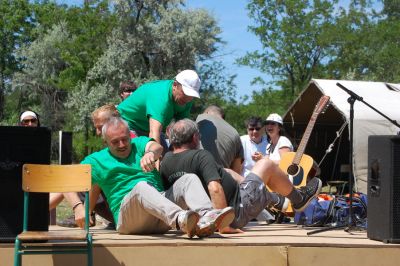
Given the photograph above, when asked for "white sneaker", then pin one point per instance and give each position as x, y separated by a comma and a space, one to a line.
187, 222
219, 217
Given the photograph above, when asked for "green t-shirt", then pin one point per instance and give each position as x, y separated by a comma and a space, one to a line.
117, 177
153, 99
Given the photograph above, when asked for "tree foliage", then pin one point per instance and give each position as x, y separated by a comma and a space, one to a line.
15, 30
293, 37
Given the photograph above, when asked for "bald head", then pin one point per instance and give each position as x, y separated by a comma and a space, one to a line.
215, 110
182, 132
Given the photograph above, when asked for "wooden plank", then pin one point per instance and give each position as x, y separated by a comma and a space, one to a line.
56, 178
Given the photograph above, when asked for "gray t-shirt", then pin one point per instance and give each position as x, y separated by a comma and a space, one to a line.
220, 139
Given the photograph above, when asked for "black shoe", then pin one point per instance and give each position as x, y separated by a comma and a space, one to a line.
282, 205
309, 191
110, 226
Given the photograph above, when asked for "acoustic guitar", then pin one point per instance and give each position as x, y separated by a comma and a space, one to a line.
297, 165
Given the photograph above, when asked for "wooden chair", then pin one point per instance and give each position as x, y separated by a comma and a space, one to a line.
55, 178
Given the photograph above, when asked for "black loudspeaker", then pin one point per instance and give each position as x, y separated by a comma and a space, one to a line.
19, 145
384, 188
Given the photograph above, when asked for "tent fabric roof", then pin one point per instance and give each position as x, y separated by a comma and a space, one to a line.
385, 97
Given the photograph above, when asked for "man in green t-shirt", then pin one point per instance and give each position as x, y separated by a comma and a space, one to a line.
125, 172
153, 105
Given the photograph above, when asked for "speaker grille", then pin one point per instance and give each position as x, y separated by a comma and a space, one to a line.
396, 188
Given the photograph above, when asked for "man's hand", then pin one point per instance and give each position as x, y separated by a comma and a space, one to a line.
79, 214
257, 156
148, 162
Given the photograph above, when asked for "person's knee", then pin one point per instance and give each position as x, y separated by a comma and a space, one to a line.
140, 188
265, 165
190, 178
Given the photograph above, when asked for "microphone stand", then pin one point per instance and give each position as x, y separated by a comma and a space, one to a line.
353, 97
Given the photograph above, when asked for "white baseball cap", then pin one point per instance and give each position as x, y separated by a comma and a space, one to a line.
274, 118
190, 82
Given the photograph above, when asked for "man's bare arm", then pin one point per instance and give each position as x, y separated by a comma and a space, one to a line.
237, 165
155, 129
79, 210
217, 195
150, 159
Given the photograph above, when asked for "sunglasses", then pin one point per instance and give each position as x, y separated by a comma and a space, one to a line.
271, 123
253, 128
26, 121
128, 91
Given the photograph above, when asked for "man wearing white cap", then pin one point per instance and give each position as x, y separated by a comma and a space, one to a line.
154, 104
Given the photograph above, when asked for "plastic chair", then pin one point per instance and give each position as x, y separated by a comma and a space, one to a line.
55, 178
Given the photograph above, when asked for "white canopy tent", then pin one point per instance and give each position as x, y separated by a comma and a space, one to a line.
383, 96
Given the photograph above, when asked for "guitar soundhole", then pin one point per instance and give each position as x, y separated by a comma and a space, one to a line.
293, 169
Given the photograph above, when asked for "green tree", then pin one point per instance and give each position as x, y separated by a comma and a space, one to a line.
293, 37
15, 28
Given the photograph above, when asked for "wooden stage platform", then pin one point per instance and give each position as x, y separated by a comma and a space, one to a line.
261, 244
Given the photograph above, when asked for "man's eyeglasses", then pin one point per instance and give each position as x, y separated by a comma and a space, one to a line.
26, 121
253, 128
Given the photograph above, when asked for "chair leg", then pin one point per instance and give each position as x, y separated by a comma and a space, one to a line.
90, 250
17, 255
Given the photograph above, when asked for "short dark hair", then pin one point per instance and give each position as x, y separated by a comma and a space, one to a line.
254, 121
127, 85
182, 132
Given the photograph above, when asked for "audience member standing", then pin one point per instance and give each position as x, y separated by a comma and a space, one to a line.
156, 103
220, 138
278, 144
254, 143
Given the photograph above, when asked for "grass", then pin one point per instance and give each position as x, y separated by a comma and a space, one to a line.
64, 211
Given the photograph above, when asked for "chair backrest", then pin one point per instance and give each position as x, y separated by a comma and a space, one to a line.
56, 178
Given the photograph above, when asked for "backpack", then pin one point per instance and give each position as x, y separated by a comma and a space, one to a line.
330, 210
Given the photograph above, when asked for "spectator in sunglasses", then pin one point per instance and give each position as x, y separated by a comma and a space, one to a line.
29, 119
254, 143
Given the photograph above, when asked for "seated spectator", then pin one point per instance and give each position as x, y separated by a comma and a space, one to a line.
254, 143
125, 171
278, 143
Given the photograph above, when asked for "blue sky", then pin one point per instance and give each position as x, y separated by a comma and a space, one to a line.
232, 17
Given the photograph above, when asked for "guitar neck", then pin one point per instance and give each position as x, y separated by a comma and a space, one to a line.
304, 140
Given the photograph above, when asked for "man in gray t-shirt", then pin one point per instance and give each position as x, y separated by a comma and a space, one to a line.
220, 138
